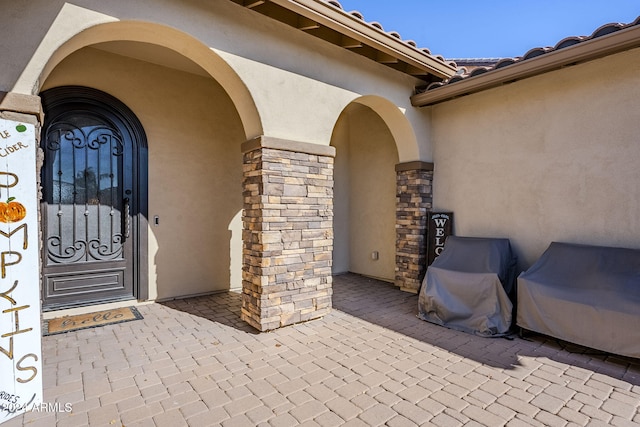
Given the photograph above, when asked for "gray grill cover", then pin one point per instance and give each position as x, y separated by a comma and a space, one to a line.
588, 295
468, 286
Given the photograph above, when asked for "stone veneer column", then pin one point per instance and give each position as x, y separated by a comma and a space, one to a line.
288, 232
413, 201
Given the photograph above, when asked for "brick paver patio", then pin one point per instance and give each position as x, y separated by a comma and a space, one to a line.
371, 361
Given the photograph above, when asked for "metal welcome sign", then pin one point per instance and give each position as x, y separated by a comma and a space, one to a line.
20, 332
440, 227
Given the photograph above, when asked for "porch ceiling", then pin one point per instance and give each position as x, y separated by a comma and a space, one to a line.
327, 20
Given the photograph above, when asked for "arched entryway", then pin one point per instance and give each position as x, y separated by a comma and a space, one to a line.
194, 131
368, 136
94, 204
381, 194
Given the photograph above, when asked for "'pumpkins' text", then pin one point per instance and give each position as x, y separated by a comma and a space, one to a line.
9, 258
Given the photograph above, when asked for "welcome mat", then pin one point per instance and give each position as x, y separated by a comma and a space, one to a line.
90, 320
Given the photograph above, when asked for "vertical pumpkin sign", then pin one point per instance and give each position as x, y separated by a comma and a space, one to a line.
20, 331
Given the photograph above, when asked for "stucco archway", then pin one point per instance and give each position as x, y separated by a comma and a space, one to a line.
181, 44
369, 136
398, 125
196, 113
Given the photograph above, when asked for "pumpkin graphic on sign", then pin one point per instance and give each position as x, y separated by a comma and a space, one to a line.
12, 211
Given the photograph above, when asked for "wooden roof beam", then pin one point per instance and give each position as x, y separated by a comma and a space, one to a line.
250, 4
384, 58
306, 24
349, 43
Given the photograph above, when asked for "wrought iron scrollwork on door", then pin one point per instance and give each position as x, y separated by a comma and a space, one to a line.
86, 210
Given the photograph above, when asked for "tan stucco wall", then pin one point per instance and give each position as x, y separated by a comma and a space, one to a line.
253, 57
195, 167
550, 158
365, 194
267, 79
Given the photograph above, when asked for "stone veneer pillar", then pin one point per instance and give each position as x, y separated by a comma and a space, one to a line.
288, 232
413, 201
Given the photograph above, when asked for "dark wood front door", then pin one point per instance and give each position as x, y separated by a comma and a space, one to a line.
92, 193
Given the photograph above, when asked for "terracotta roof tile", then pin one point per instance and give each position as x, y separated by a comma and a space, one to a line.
395, 34
533, 53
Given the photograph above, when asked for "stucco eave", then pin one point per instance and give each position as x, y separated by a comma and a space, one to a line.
321, 12
622, 40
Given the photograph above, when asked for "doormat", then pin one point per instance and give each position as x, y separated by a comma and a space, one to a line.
90, 320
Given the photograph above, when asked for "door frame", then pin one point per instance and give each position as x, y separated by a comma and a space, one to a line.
55, 97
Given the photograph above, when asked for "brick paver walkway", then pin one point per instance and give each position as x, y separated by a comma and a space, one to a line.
370, 362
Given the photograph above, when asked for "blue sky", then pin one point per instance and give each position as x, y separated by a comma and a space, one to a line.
492, 28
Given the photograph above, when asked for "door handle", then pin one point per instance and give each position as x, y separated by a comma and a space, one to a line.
126, 221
